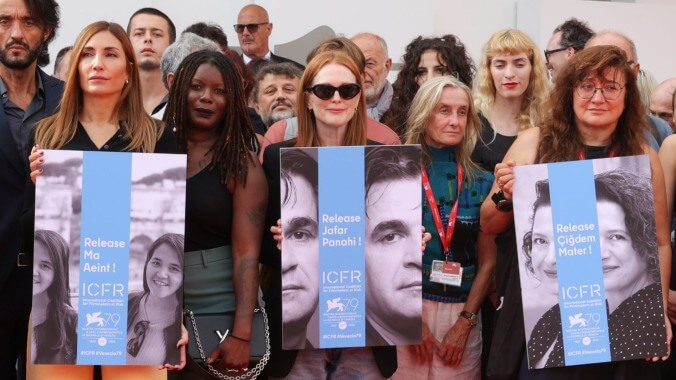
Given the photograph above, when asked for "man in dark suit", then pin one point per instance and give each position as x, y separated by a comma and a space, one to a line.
253, 31
28, 94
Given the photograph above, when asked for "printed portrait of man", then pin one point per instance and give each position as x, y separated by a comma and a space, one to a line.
393, 240
300, 256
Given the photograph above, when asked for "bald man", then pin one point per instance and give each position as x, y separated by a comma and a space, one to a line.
662, 101
659, 129
253, 30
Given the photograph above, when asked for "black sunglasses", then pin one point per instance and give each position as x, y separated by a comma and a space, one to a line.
253, 28
550, 52
326, 91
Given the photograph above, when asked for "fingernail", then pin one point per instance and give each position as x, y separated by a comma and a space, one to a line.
41, 160
41, 153
40, 170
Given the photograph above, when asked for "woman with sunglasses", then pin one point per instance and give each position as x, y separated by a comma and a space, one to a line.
154, 313
426, 58
595, 111
442, 119
331, 112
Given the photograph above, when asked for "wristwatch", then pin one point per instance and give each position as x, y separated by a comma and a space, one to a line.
502, 203
473, 318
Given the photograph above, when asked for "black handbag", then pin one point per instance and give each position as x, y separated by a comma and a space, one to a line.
206, 331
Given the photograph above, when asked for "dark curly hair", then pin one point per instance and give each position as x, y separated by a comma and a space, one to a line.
560, 139
450, 52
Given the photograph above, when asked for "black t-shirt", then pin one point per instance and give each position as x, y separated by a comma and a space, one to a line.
208, 211
492, 147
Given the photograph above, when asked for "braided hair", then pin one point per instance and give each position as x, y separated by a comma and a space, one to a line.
235, 136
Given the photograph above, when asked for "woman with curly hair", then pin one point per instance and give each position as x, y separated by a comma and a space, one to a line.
510, 88
426, 58
595, 111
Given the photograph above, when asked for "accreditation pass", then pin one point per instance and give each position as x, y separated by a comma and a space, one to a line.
446, 272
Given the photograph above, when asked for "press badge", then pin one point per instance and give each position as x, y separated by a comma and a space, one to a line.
448, 273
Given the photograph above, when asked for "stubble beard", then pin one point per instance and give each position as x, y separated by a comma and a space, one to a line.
17, 62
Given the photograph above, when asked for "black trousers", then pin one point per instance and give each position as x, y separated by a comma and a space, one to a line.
15, 308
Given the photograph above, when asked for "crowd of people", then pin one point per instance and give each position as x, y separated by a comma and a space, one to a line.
151, 89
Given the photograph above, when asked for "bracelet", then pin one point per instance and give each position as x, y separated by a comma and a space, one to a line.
240, 339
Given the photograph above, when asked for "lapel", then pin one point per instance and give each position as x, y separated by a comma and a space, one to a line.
53, 91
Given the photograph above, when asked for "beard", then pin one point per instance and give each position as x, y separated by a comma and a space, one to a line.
370, 94
275, 116
14, 62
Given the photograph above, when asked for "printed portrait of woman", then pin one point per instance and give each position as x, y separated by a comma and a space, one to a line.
154, 320
629, 257
54, 339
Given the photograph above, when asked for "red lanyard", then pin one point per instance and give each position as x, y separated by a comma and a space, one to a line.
582, 156
444, 236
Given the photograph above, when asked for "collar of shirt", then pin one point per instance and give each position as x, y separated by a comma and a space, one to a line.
265, 57
5, 95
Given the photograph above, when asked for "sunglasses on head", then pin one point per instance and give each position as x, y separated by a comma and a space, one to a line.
326, 91
253, 28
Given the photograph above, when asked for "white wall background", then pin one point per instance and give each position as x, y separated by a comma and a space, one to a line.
648, 22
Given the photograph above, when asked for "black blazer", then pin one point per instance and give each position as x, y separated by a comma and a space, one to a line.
278, 59
281, 361
15, 180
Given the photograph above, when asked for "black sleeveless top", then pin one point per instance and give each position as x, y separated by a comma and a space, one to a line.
208, 211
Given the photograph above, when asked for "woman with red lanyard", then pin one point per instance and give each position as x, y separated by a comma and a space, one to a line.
594, 111
456, 271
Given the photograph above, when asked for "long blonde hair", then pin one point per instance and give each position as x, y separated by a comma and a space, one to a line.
422, 110
507, 42
307, 125
138, 127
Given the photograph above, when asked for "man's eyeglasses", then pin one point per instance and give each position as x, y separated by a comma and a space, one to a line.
610, 91
253, 28
134, 344
326, 91
550, 52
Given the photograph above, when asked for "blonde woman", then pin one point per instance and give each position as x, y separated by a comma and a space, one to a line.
510, 87
443, 120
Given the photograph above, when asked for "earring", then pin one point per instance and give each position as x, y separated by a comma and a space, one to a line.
126, 81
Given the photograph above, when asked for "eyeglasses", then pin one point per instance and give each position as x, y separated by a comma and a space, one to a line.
253, 28
135, 343
326, 91
550, 52
610, 91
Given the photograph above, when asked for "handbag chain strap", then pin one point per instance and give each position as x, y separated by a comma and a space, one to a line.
251, 373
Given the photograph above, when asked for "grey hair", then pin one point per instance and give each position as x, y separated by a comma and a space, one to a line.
382, 42
631, 43
175, 53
